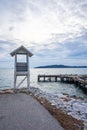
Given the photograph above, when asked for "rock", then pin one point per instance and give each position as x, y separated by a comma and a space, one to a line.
8, 91
73, 106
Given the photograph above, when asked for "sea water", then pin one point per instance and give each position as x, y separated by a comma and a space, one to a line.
7, 81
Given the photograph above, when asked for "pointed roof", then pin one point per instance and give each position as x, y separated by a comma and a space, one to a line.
21, 50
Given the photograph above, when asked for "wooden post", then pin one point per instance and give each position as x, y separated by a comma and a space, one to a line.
28, 74
55, 78
49, 79
15, 77
62, 79
38, 78
14, 80
44, 78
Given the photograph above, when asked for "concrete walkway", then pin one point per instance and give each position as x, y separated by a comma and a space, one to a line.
22, 112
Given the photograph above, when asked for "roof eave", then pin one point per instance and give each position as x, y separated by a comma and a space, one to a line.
15, 51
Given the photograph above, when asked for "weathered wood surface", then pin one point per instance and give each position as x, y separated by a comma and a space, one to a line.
21, 67
79, 80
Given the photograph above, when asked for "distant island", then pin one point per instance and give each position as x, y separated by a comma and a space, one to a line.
60, 66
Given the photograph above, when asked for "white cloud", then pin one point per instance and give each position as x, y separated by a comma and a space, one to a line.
39, 19
43, 25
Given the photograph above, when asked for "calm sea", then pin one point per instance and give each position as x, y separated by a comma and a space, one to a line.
7, 80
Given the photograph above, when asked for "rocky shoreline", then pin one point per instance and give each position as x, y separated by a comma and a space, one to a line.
71, 112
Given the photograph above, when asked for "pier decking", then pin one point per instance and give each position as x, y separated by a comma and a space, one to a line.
79, 80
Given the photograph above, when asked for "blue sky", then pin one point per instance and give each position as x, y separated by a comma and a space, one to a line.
55, 31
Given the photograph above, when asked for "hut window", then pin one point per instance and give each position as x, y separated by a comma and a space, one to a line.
21, 58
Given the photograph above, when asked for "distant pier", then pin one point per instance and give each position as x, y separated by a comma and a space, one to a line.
78, 80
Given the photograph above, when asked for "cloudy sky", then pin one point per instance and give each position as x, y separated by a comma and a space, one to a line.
55, 31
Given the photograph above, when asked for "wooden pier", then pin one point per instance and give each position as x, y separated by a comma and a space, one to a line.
78, 80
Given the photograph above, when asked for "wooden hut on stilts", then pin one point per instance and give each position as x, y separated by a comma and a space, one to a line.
21, 68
